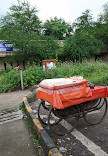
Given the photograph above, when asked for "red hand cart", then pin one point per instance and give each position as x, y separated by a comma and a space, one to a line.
66, 100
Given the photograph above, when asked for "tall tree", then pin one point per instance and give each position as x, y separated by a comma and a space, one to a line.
101, 28
104, 16
84, 22
21, 26
57, 28
21, 18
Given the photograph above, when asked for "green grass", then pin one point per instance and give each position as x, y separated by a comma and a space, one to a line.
22, 107
94, 72
34, 136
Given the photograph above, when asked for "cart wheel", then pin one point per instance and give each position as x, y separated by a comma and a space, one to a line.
64, 126
43, 110
97, 112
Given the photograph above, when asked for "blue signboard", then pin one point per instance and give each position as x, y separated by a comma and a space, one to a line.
6, 47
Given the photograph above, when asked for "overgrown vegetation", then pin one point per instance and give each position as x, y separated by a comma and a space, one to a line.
81, 45
94, 72
36, 41
22, 27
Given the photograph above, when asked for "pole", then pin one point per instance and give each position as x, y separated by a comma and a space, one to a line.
21, 79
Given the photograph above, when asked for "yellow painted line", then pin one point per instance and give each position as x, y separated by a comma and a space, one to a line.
54, 152
24, 98
38, 124
28, 108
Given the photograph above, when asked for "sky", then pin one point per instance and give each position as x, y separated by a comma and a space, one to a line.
69, 10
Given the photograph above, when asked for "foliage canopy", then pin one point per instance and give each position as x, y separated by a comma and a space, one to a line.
21, 18
96, 72
80, 45
101, 27
57, 28
22, 27
84, 22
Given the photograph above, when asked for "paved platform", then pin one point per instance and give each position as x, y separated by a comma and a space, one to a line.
13, 99
15, 137
15, 140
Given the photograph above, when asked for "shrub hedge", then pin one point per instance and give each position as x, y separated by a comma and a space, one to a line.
94, 72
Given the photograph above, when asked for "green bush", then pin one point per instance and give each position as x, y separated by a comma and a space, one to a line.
94, 72
33, 75
80, 46
9, 80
